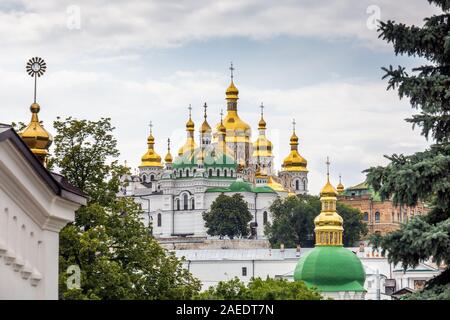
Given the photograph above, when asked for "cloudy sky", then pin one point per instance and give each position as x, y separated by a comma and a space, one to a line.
135, 61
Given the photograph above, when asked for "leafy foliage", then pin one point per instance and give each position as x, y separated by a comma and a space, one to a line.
423, 176
116, 253
228, 216
258, 289
293, 222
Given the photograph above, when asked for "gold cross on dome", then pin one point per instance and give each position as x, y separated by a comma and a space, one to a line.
328, 166
205, 106
151, 126
190, 109
262, 109
293, 124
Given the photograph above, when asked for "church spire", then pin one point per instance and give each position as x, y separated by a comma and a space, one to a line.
328, 224
294, 161
34, 135
340, 187
168, 158
151, 158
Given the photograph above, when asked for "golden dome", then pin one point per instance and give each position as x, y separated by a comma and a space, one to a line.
232, 92
328, 190
35, 136
276, 186
168, 158
151, 158
205, 127
340, 187
294, 161
262, 124
190, 125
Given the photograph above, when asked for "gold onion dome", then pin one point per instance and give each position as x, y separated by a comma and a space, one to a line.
262, 146
205, 127
151, 158
340, 187
35, 136
189, 145
294, 161
168, 158
237, 130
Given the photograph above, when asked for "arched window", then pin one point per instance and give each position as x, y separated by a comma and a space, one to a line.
144, 178
194, 171
297, 187
366, 216
210, 173
304, 184
225, 173
185, 201
181, 173
218, 172
159, 220
377, 217
178, 204
265, 218
187, 172
193, 204
231, 173
152, 178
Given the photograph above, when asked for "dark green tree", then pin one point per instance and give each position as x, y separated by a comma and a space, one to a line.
293, 222
258, 289
423, 176
117, 256
228, 216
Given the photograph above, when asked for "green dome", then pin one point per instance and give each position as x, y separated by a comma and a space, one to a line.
240, 186
213, 159
331, 269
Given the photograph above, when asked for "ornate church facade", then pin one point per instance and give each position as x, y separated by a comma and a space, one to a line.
174, 194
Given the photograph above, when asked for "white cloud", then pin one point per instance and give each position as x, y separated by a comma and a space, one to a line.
116, 25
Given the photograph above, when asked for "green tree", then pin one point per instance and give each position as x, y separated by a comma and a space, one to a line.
423, 176
228, 216
258, 289
118, 257
293, 222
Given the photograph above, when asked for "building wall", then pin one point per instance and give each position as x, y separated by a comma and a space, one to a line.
31, 216
382, 216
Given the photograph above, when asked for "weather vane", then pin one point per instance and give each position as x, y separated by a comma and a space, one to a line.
36, 67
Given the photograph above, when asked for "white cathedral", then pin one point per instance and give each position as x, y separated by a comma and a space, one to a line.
174, 195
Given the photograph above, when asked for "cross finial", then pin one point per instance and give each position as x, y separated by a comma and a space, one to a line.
151, 126
340, 178
262, 109
205, 106
328, 168
190, 109
231, 70
221, 115
293, 125
168, 144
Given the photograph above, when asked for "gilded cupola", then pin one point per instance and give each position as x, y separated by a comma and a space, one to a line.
189, 145
328, 224
151, 158
262, 147
35, 136
205, 127
168, 158
340, 187
237, 130
294, 161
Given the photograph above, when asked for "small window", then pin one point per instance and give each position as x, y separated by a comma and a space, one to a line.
377, 217
159, 220
178, 204
185, 202
244, 271
152, 178
304, 185
187, 172
210, 173
193, 204
225, 173
144, 178
218, 172
231, 173
265, 218
366, 216
297, 185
